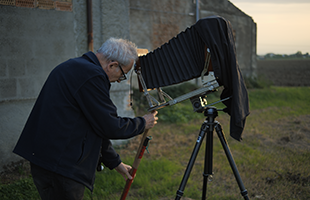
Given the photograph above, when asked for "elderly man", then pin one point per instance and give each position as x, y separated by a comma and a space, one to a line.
73, 120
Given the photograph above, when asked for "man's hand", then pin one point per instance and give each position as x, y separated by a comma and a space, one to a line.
150, 119
124, 170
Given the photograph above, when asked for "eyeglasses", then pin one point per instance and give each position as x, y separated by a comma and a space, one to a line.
123, 77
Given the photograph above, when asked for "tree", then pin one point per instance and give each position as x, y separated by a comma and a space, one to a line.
298, 54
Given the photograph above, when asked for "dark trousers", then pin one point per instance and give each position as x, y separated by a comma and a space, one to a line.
52, 186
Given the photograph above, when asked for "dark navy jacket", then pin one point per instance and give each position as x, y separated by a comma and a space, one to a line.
72, 118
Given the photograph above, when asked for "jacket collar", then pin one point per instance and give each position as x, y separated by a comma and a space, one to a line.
92, 57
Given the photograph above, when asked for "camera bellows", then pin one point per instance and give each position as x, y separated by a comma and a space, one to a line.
181, 59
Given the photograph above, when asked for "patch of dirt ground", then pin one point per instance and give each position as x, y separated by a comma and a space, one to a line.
285, 72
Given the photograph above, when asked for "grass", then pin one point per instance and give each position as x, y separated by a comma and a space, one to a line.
19, 190
273, 158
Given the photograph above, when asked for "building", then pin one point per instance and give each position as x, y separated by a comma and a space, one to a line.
37, 35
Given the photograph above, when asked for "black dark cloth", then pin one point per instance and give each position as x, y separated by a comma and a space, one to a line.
53, 186
73, 119
179, 60
216, 32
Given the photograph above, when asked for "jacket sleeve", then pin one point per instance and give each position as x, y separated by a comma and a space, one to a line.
108, 155
94, 100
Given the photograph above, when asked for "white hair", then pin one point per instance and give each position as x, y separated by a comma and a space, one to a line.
119, 50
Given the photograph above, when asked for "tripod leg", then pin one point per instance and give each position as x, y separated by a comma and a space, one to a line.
208, 167
232, 163
191, 161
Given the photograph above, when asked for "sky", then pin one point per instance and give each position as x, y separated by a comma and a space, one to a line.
283, 26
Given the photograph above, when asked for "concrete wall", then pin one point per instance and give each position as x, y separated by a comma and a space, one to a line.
33, 41
154, 22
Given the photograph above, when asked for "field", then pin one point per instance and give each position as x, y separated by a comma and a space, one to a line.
285, 72
273, 157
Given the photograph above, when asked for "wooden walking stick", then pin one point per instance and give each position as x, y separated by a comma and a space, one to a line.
135, 165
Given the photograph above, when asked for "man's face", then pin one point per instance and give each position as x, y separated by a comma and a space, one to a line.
117, 72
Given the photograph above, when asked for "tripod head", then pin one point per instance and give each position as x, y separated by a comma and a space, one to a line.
211, 112
200, 104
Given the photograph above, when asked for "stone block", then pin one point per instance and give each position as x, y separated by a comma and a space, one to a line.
3, 69
29, 87
16, 68
12, 120
8, 89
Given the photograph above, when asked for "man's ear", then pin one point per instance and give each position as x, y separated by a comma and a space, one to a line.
113, 64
